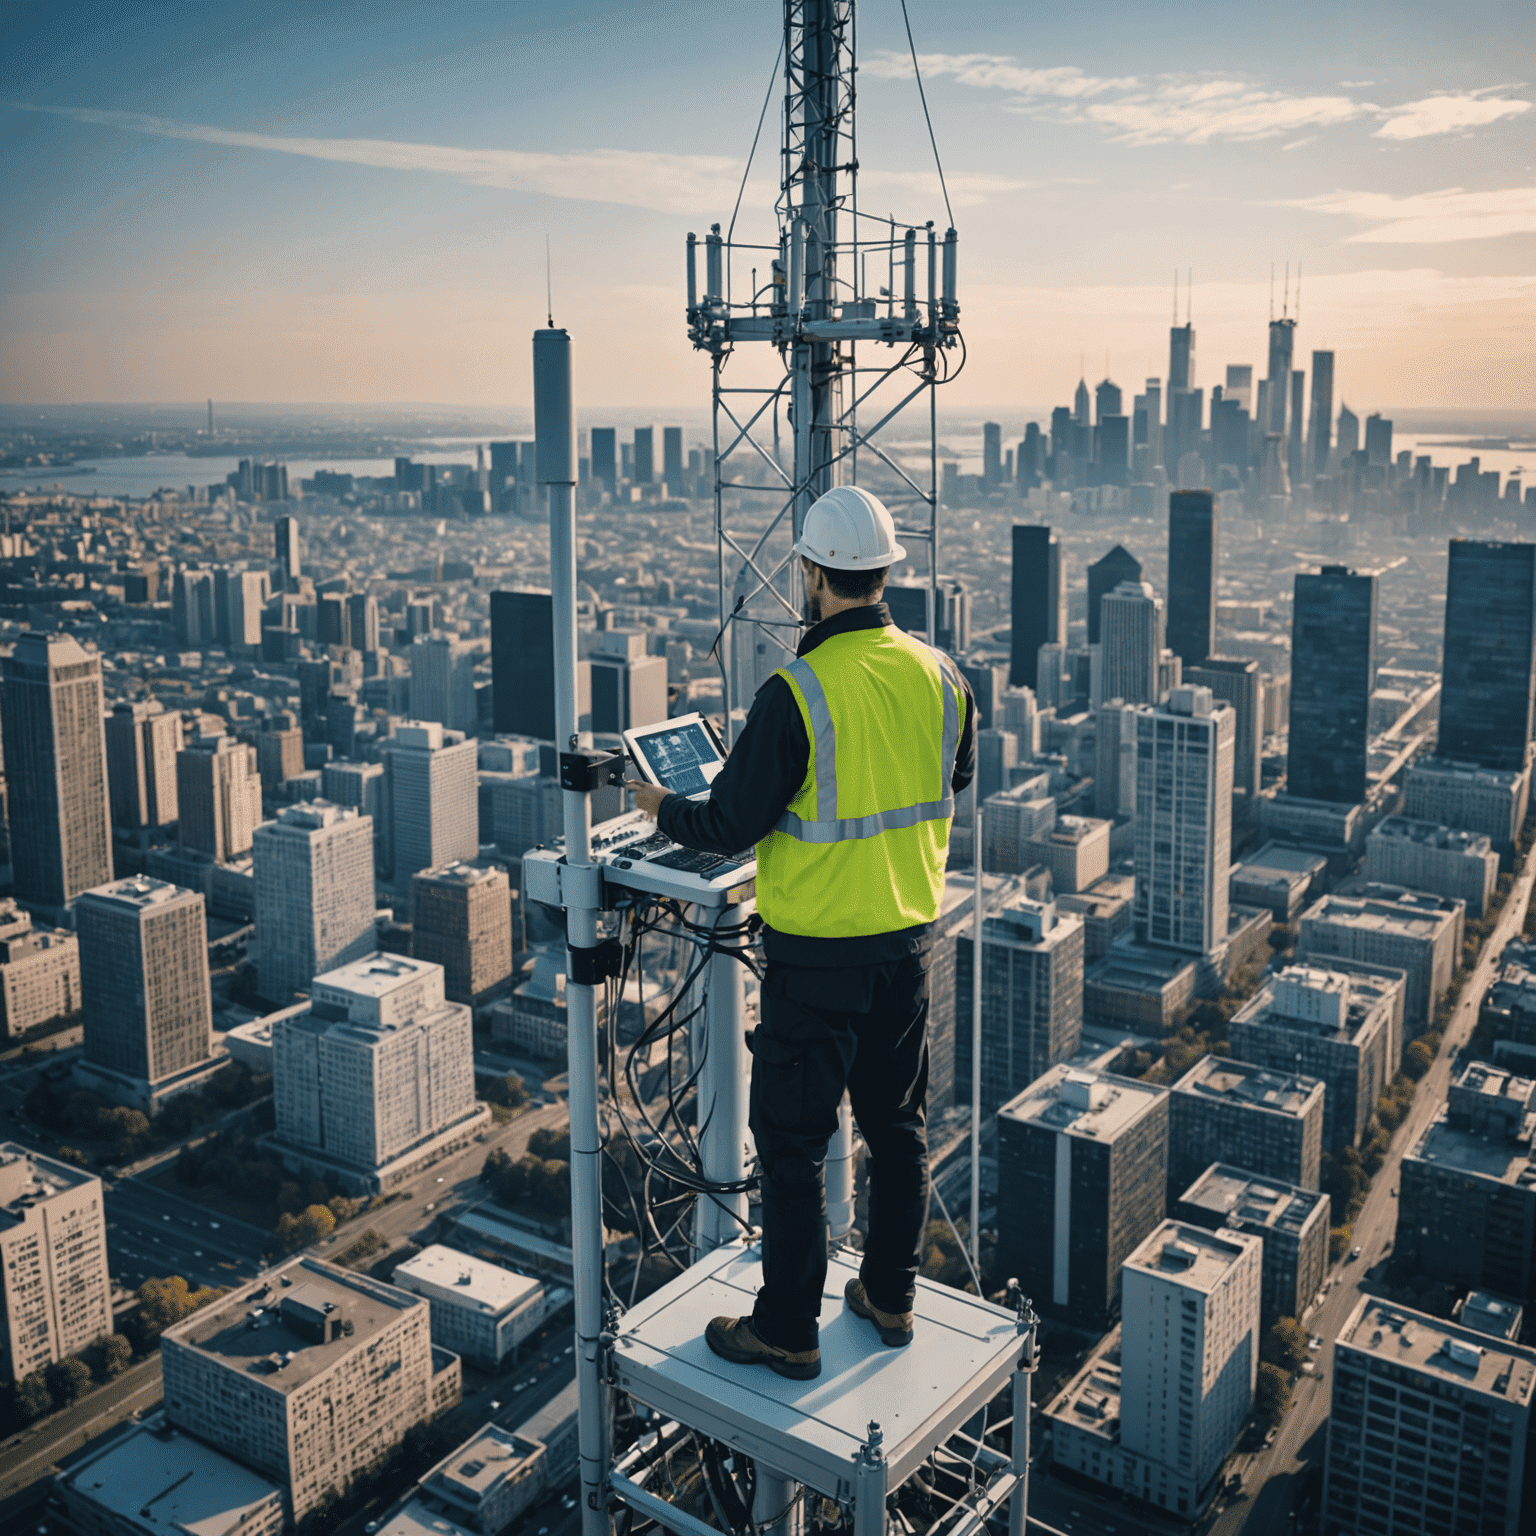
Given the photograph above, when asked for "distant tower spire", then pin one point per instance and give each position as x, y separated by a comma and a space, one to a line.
1285, 308
210, 418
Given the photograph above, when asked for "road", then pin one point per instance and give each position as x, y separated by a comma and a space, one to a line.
1299, 1445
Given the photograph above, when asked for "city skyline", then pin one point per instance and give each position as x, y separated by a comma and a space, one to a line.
276, 233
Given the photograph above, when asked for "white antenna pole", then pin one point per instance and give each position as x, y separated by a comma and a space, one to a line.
978, 901
555, 432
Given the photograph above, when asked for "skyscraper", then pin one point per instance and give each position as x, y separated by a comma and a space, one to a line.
1378, 440
1154, 423
1333, 670
314, 894
1039, 616
605, 463
1191, 575
1184, 752
1239, 385
219, 792
285, 532
461, 919
1104, 575
1349, 432
1238, 681
1181, 359
672, 459
142, 742
434, 799
1320, 428
363, 621
56, 769
1130, 642
1295, 447
1489, 668
991, 453
1282, 338
443, 681
645, 455
144, 985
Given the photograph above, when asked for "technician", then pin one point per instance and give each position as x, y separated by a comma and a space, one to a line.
844, 777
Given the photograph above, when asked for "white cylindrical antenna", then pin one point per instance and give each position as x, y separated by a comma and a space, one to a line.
951, 243
554, 419
796, 266
714, 280
933, 276
693, 272
909, 295
780, 278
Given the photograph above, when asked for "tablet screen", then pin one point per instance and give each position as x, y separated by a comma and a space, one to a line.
684, 760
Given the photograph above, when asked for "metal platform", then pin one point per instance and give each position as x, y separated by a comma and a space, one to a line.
962, 1355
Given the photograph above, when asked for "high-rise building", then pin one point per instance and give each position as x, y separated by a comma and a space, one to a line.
143, 739
1039, 605
1189, 1355
1114, 774
434, 799
285, 533
1081, 1173
1191, 575
1131, 643
1181, 359
443, 681
991, 454
39, 971
219, 791
629, 688
144, 986
1104, 575
377, 1069
461, 919
1282, 339
1333, 671
55, 768
1291, 1221
1295, 444
1489, 671
1425, 857
193, 609
1267, 1122
245, 603
605, 460
279, 756
363, 621
1239, 385
1378, 441
1446, 792
55, 1291
1184, 753
309, 1375
361, 786
314, 894
1348, 434
480, 1311
672, 459
1237, 681
1320, 429
644, 461
1031, 999
1429, 1427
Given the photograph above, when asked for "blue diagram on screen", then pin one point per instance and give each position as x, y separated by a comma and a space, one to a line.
685, 760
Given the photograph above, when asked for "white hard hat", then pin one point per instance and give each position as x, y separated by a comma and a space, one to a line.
849, 530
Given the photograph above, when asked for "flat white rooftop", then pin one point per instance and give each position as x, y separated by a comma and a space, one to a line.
376, 975
963, 1353
464, 1280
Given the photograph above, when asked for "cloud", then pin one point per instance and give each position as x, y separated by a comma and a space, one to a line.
636, 178
1197, 111
1311, 138
990, 71
1447, 114
966, 189
1431, 218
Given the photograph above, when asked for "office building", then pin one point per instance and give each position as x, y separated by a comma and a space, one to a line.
1496, 1316
1130, 643
1428, 1429
1425, 857
643, 459
218, 790
1320, 428
434, 799
1189, 1356
1039, 602
1105, 908
1277, 877
997, 754
1489, 667
1010, 820
39, 972
480, 1311
308, 1376
142, 742
144, 989
152, 1480
1340, 1024
1237, 681
1333, 670
361, 786
1192, 575
1412, 931
443, 682
1282, 338
1457, 794
672, 460
279, 756
1031, 1000
1292, 1223
313, 869
285, 536
1270, 1123
1075, 851
1104, 575
192, 608
629, 688
1114, 774
55, 769
1467, 1205
526, 811
1184, 753
376, 1079
54, 1285
605, 462
1082, 1163
461, 919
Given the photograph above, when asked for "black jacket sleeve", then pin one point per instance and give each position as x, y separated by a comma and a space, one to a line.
761, 776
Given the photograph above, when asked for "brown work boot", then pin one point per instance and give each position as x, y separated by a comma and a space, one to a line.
894, 1328
735, 1339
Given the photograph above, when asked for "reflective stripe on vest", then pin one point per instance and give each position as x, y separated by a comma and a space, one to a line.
828, 827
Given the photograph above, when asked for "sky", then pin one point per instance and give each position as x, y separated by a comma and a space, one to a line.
335, 202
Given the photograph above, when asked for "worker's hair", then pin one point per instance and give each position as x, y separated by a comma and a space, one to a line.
854, 584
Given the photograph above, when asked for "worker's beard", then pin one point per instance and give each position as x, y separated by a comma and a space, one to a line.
812, 608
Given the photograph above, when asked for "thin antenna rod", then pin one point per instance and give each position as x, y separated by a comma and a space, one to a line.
549, 285
1286, 307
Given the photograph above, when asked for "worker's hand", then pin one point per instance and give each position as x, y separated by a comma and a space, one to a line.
648, 797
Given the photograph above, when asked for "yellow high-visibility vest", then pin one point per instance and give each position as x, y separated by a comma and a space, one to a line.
862, 847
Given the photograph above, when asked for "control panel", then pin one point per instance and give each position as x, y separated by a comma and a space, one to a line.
634, 856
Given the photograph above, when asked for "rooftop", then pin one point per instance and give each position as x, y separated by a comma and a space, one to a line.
1330, 1002
27, 1177
376, 975
415, 1519
1255, 1087
1242, 1197
1470, 773
1095, 1105
1091, 1401
1413, 914
1074, 829
1190, 1256
1443, 1351
1277, 859
140, 893
460, 874
156, 1479
272, 1329
1483, 1312
1504, 1161
1432, 835
1140, 967
470, 1280
468, 1473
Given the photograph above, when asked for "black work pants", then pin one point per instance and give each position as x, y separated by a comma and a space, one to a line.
863, 1028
